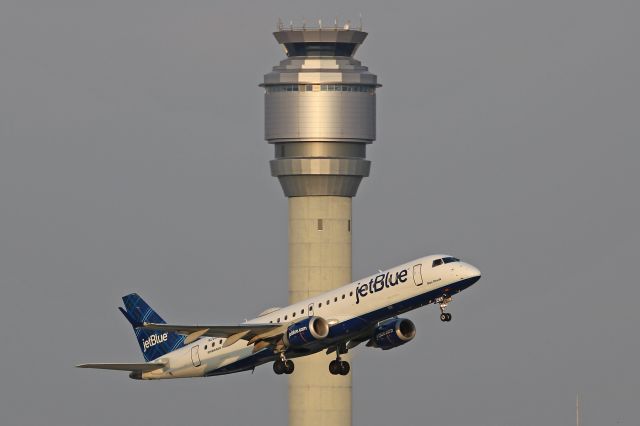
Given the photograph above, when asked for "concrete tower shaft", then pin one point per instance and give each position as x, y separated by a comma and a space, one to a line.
320, 114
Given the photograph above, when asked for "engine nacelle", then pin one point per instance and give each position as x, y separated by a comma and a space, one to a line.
393, 333
306, 331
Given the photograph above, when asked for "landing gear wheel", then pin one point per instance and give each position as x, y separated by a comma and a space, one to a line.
344, 368
448, 316
288, 367
334, 367
278, 367
443, 317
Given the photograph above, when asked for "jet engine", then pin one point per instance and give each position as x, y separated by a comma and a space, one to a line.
393, 333
305, 331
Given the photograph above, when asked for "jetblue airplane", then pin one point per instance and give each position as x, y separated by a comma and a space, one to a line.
337, 321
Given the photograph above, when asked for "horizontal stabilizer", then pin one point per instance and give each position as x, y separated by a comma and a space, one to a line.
139, 366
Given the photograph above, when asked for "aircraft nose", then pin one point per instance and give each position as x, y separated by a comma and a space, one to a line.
472, 271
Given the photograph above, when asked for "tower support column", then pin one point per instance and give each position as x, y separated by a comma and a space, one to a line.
320, 115
319, 261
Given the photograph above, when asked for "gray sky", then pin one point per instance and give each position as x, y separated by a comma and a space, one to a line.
132, 159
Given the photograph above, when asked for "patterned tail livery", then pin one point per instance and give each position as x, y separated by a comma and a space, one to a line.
153, 344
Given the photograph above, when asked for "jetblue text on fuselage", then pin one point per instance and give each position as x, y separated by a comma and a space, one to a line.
380, 282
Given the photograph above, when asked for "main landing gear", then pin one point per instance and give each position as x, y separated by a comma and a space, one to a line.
283, 365
338, 366
444, 302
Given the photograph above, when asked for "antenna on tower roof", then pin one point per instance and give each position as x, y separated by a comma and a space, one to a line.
279, 24
335, 23
360, 29
347, 25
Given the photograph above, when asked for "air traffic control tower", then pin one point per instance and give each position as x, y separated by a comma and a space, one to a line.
320, 114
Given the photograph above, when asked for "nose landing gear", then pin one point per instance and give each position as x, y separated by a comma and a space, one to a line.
445, 317
444, 302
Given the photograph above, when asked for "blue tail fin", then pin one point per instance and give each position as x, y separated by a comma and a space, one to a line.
153, 344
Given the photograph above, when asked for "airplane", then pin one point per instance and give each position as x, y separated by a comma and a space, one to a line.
336, 321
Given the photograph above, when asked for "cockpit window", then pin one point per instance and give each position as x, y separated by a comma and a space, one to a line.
444, 260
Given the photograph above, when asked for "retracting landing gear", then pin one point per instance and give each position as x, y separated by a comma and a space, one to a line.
444, 302
338, 366
283, 365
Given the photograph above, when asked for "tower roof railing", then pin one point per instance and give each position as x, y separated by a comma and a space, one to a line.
319, 26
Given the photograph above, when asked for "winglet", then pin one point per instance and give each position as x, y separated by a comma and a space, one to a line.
129, 318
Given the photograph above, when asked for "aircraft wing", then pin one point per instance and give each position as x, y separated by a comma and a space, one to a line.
251, 332
139, 366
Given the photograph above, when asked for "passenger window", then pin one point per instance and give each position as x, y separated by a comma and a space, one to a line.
205, 347
343, 296
328, 302
302, 311
285, 317
436, 262
293, 315
350, 294
335, 299
320, 305
278, 319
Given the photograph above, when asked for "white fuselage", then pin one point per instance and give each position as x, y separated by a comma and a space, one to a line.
366, 301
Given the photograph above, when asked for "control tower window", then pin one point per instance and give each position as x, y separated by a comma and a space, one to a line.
320, 49
362, 88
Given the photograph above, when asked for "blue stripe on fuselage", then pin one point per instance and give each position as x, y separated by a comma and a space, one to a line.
350, 327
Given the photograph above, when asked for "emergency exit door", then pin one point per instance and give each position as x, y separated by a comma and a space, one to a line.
195, 356
417, 274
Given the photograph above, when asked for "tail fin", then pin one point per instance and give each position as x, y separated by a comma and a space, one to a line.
153, 344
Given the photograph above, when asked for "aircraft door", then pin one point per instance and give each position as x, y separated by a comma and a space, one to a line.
417, 274
310, 310
195, 356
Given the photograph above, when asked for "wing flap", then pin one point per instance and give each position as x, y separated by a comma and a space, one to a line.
195, 336
224, 331
122, 366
